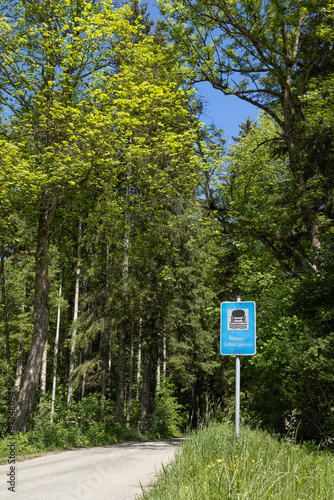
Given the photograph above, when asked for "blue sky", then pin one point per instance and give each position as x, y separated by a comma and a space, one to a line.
225, 112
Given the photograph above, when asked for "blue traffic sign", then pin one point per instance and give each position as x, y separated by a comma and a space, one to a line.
238, 328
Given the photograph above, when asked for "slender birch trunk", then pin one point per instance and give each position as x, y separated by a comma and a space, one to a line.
55, 355
43, 370
158, 371
19, 366
139, 358
110, 352
164, 355
75, 317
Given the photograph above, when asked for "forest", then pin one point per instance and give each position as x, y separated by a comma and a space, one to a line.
125, 221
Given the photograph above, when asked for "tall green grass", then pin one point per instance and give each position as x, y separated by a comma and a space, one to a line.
213, 464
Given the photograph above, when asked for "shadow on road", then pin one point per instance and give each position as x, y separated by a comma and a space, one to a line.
146, 444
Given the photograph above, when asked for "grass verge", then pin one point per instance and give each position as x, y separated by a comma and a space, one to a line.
213, 464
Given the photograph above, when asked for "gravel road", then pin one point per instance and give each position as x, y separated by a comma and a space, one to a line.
112, 472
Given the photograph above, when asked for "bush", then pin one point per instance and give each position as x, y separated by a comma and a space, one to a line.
166, 420
44, 436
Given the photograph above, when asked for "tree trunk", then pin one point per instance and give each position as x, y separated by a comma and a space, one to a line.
110, 351
103, 349
128, 415
19, 367
20, 354
110, 333
82, 360
293, 117
149, 379
164, 353
43, 370
161, 363
105, 341
139, 356
26, 396
75, 317
307, 212
83, 386
103, 392
55, 356
158, 372
122, 335
146, 391
121, 373
4, 304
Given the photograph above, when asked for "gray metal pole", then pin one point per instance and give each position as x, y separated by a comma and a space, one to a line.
237, 390
237, 396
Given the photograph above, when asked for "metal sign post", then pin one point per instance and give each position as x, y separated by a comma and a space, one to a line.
238, 337
237, 389
237, 396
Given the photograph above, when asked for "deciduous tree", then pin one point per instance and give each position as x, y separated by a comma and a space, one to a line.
265, 53
55, 133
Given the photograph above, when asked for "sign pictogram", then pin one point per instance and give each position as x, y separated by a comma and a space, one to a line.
238, 328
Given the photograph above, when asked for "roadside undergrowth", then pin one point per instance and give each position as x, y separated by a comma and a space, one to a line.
213, 464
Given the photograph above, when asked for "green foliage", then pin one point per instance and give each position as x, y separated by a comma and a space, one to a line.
166, 419
6, 384
46, 59
212, 463
107, 108
258, 209
293, 366
246, 48
44, 436
100, 125
255, 197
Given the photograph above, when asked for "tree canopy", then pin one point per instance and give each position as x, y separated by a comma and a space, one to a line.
125, 221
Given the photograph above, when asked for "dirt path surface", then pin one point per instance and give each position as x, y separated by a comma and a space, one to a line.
112, 472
